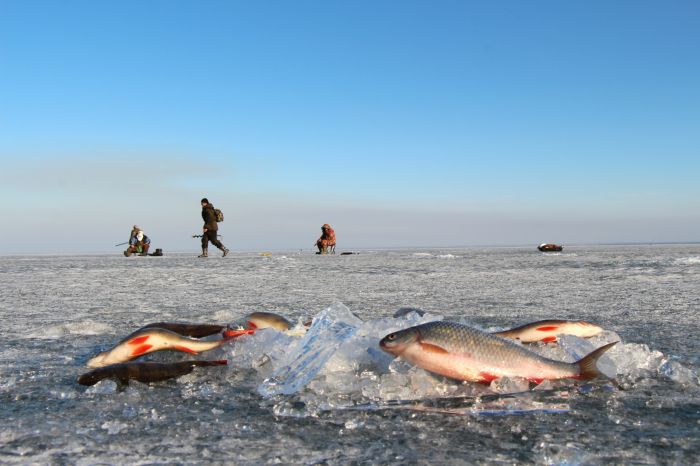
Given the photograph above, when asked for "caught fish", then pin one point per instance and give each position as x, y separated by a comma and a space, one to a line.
549, 330
260, 320
144, 371
188, 330
148, 340
464, 353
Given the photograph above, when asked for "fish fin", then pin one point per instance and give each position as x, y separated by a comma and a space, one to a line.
122, 383
141, 350
229, 334
218, 362
549, 339
251, 325
184, 349
139, 340
487, 377
429, 347
587, 365
547, 328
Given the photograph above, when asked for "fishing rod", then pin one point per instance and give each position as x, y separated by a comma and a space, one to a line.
121, 244
199, 236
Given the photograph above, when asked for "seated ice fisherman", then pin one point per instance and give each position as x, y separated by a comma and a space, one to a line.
138, 243
326, 242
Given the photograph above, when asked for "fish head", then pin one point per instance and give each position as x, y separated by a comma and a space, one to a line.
88, 379
397, 342
588, 329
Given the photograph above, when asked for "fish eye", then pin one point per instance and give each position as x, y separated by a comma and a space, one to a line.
391, 337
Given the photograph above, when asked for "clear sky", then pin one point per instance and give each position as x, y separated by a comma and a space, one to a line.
400, 123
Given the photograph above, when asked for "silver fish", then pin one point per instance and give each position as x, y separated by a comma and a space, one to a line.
260, 320
464, 353
549, 330
148, 340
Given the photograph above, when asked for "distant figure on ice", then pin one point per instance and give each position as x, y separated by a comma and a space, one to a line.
211, 216
326, 243
138, 242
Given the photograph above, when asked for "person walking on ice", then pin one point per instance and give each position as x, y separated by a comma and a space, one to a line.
211, 217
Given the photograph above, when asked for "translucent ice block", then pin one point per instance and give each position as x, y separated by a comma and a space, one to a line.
329, 330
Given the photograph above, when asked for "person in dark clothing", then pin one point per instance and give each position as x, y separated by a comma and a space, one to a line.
210, 229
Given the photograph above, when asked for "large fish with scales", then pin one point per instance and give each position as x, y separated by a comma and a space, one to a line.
464, 353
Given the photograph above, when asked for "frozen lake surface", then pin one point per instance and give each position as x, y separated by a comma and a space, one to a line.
349, 402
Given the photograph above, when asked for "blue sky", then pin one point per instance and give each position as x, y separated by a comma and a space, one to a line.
401, 123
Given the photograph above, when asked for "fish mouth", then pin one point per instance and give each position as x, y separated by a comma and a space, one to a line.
387, 346
87, 379
391, 347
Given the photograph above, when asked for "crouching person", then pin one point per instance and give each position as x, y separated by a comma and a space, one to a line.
138, 243
326, 243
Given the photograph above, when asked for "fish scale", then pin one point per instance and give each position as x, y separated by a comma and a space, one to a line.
491, 350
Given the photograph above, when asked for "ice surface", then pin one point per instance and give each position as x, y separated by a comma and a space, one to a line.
505, 385
353, 403
679, 373
689, 260
87, 327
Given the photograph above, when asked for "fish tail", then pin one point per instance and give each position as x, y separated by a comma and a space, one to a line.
587, 365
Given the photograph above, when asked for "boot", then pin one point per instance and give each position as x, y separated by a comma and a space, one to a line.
144, 251
225, 250
204, 253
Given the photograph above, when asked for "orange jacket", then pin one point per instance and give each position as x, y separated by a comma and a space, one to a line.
328, 236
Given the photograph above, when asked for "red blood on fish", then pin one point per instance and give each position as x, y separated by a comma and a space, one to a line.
139, 340
237, 333
548, 328
141, 350
488, 378
184, 349
251, 325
